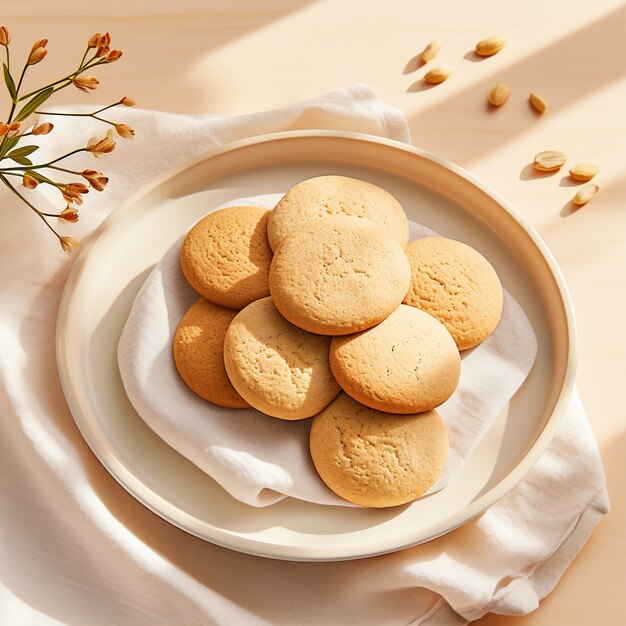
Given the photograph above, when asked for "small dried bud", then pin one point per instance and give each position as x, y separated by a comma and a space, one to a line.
72, 199
42, 129
103, 45
113, 56
96, 179
98, 147
86, 83
127, 102
5, 36
94, 40
69, 214
4, 129
69, 243
37, 55
78, 187
13, 130
38, 52
72, 192
29, 182
124, 131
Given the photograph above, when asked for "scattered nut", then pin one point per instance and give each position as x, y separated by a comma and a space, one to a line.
550, 161
489, 46
431, 50
538, 102
585, 194
438, 74
583, 172
499, 94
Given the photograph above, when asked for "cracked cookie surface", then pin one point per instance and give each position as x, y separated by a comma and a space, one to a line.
377, 459
456, 284
198, 353
322, 196
226, 256
277, 367
408, 363
338, 275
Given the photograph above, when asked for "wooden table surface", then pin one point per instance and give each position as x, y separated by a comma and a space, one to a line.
238, 56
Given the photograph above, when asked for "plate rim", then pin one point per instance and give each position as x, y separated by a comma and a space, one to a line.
223, 537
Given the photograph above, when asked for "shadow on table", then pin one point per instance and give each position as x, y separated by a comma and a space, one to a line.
565, 71
145, 32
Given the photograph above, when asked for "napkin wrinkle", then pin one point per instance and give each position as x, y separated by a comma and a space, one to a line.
116, 562
526, 589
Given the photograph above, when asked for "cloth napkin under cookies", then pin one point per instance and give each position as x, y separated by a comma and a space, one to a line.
259, 459
77, 549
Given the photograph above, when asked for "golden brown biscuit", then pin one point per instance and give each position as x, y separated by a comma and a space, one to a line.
457, 285
338, 275
336, 195
377, 459
226, 256
198, 353
277, 367
408, 363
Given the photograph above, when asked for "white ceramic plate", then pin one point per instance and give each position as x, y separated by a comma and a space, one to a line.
118, 257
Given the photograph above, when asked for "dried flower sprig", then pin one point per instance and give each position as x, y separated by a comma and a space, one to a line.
98, 52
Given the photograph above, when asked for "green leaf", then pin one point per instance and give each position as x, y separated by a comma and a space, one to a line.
34, 104
22, 160
8, 145
8, 79
23, 151
39, 177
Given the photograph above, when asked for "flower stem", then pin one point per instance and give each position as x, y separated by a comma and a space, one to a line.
84, 57
62, 169
110, 106
32, 93
43, 165
41, 182
67, 79
65, 114
92, 114
19, 195
17, 90
101, 119
65, 156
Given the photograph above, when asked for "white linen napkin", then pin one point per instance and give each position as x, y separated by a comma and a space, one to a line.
75, 548
259, 459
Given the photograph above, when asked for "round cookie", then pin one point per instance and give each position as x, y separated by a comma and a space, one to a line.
226, 256
377, 459
198, 353
408, 363
338, 275
278, 368
457, 285
336, 195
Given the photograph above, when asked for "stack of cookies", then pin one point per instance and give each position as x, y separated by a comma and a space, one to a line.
319, 309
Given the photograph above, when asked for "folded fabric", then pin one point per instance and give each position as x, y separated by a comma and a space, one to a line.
78, 549
259, 459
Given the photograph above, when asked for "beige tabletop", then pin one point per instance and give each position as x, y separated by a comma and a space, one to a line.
238, 56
